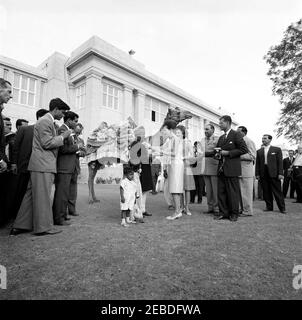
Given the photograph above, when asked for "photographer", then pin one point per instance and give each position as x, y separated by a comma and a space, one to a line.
229, 148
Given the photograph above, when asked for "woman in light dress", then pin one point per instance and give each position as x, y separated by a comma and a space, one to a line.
188, 159
175, 166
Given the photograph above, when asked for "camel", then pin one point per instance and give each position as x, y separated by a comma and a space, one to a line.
155, 140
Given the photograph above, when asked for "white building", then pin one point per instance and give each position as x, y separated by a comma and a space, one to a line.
100, 83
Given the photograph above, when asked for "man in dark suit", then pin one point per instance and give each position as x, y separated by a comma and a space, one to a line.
288, 179
66, 170
269, 169
5, 96
73, 192
297, 174
21, 123
20, 158
229, 148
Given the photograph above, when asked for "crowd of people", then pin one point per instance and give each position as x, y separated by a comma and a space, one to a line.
224, 168
36, 157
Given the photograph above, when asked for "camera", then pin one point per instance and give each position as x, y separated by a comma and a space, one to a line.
217, 154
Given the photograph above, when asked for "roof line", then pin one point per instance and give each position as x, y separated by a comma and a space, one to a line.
92, 51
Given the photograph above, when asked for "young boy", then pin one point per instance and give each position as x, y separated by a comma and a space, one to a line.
128, 192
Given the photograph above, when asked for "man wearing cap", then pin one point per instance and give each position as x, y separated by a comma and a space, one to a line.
36, 209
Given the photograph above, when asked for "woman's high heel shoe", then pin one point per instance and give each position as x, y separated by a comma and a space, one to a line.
175, 216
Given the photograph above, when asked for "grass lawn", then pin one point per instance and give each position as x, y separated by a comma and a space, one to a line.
190, 258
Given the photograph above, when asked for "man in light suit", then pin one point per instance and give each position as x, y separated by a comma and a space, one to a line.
269, 169
19, 163
231, 146
246, 179
66, 170
210, 169
36, 208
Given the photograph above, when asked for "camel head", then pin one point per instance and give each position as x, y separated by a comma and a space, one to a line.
178, 115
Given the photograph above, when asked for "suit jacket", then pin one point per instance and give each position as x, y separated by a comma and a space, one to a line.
210, 164
2, 140
22, 147
67, 157
236, 146
248, 159
274, 162
45, 146
10, 142
286, 165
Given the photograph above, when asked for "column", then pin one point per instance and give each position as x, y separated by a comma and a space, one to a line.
93, 102
128, 102
140, 108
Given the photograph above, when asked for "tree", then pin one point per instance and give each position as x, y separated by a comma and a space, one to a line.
285, 61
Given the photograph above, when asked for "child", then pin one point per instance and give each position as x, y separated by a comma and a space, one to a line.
138, 212
128, 192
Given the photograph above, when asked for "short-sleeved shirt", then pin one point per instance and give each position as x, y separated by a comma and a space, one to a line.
130, 189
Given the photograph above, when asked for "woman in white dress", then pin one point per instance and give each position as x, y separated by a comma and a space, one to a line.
176, 166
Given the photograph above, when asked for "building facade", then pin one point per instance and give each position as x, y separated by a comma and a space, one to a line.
101, 83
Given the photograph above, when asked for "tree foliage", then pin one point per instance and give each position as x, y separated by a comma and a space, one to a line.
285, 71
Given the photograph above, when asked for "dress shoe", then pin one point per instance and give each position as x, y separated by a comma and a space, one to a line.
220, 217
74, 214
67, 218
245, 215
283, 211
147, 214
62, 223
209, 212
233, 217
267, 210
49, 232
15, 232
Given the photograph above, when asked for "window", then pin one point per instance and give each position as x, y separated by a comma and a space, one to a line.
193, 127
155, 110
111, 96
42, 92
5, 74
24, 89
80, 96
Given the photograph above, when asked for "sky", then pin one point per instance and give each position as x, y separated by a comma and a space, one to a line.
212, 49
